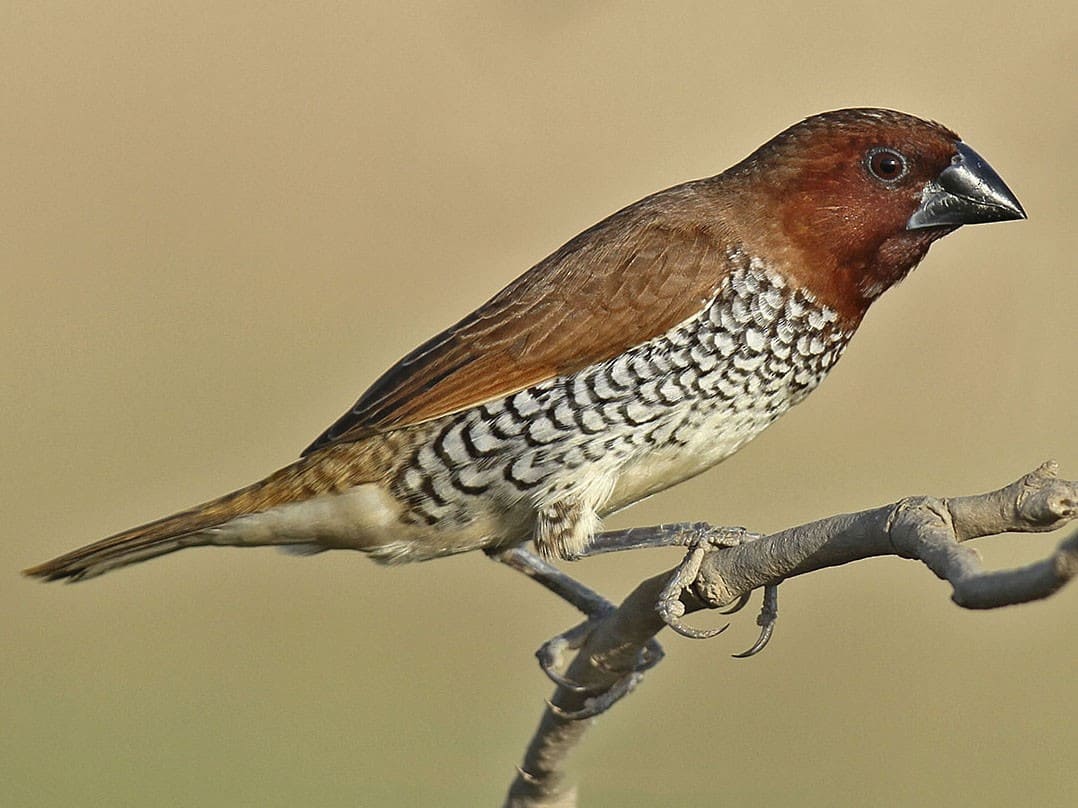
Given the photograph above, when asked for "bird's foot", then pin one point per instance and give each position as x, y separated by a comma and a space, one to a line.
671, 608
553, 656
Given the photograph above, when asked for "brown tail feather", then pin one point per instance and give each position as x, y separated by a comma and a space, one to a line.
139, 543
197, 526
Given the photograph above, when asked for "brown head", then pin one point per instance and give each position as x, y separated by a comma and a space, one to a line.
848, 202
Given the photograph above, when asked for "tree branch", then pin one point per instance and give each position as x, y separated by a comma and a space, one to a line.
927, 529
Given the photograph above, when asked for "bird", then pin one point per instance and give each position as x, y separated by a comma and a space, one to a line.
645, 350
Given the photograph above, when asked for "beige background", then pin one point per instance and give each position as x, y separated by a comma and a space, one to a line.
219, 223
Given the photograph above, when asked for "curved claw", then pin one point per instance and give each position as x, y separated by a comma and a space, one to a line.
769, 615
761, 642
551, 652
601, 702
650, 656
685, 630
671, 610
739, 604
598, 700
558, 679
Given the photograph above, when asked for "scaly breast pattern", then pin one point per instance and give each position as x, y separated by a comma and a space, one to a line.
619, 430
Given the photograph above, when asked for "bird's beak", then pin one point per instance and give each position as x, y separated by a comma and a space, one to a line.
968, 191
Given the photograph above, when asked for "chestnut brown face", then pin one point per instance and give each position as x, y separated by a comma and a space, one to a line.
862, 194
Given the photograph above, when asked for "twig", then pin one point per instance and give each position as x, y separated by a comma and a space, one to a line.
927, 529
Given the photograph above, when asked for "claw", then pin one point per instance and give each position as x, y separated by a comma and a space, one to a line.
685, 630
769, 615
551, 652
758, 646
557, 678
601, 702
550, 656
650, 656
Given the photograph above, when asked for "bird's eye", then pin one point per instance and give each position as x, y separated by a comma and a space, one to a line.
886, 165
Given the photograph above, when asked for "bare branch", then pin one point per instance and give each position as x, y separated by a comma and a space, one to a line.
931, 530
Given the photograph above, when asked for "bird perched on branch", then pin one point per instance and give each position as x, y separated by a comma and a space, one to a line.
645, 350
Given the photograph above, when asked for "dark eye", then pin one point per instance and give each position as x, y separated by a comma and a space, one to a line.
886, 165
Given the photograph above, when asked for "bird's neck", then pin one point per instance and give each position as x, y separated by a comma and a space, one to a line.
844, 271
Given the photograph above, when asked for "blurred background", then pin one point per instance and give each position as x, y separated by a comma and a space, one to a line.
222, 221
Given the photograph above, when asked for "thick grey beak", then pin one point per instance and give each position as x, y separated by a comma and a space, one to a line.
968, 191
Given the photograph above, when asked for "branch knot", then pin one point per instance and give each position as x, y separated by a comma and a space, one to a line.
912, 518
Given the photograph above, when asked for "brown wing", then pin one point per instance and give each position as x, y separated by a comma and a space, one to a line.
624, 281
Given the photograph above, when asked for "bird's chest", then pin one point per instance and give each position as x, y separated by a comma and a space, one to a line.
644, 420
756, 351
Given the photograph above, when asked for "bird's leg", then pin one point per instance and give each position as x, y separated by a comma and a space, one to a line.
699, 537
552, 654
576, 594
678, 534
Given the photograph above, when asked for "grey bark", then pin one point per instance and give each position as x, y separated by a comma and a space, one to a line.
927, 529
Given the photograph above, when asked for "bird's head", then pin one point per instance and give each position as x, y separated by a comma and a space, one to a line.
848, 202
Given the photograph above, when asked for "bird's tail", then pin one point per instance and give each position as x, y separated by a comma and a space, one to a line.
249, 516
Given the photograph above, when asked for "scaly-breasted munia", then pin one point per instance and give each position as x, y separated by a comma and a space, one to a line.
644, 351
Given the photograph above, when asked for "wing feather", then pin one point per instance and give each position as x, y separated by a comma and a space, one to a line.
628, 279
